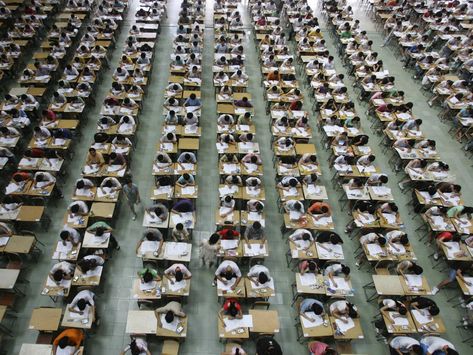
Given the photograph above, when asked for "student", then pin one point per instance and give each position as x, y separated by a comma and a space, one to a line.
311, 305
171, 310
436, 345
319, 348
100, 228
424, 303
60, 271
259, 274
404, 345
267, 345
408, 267
180, 233
337, 269
231, 308
84, 301
71, 235
226, 271
138, 346
343, 310
69, 341
177, 272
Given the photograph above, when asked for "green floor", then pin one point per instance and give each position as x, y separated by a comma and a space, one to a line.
202, 305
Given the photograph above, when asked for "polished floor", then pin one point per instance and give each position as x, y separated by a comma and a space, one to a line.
202, 305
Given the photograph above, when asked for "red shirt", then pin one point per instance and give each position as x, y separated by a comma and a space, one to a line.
24, 175
37, 153
229, 301
223, 233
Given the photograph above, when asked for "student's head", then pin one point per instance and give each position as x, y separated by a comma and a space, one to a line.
383, 179
179, 275
232, 309
169, 317
293, 182
75, 208
416, 269
352, 313
402, 310
382, 241
58, 275
228, 274
335, 239
262, 278
317, 309
298, 206
64, 235
449, 351
434, 310
312, 266
256, 225
147, 277
214, 238
306, 236
345, 270
81, 304
63, 342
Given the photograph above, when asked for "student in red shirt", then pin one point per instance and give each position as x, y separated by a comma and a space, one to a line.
231, 308
228, 234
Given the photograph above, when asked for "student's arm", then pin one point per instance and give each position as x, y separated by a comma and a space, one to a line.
236, 283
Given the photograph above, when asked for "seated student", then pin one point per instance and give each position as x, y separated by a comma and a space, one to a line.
182, 206
171, 310
408, 267
436, 345
138, 346
267, 345
404, 345
78, 208
336, 270
69, 341
388, 209
255, 232
370, 238
94, 157
159, 211
227, 206
288, 182
100, 228
180, 233
110, 185
231, 308
343, 310
255, 205
90, 262
319, 348
456, 269
186, 158
259, 274
328, 238
63, 270
301, 235
311, 305
392, 305
71, 235
162, 160
319, 210
177, 272
84, 187
227, 271
424, 303
294, 206
185, 180
80, 302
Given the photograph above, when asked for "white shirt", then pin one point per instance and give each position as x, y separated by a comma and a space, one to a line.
223, 266
435, 343
257, 269
403, 344
172, 270
86, 295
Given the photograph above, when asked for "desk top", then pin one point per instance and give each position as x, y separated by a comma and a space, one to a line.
45, 319
8, 278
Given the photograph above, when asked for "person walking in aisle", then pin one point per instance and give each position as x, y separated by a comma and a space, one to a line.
132, 195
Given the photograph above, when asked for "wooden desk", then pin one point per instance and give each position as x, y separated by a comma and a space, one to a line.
20, 244
45, 319
320, 331
388, 285
251, 292
241, 333
8, 278
354, 333
141, 322
436, 325
102, 210
264, 322
399, 329
152, 294
188, 144
41, 349
82, 323
30, 214
166, 333
318, 288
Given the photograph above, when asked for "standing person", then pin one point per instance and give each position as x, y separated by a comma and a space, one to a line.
132, 195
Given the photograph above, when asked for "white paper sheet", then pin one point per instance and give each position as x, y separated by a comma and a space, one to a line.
374, 249
245, 322
229, 244
176, 249
420, 317
169, 326
229, 168
414, 280
317, 320
344, 327
313, 189
381, 190
308, 279
148, 246
225, 190
390, 218
188, 190
397, 320
335, 253
4, 241
269, 284
291, 192
342, 284
324, 221
177, 285
227, 287
252, 191
148, 286
254, 249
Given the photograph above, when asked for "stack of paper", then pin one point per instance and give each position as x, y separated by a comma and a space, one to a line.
414, 280
254, 249
308, 279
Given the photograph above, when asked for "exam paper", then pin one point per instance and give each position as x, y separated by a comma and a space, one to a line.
420, 317
317, 320
308, 279
414, 280
176, 248
229, 244
254, 249
169, 326
148, 246
245, 322
344, 327
397, 320
227, 287
177, 285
